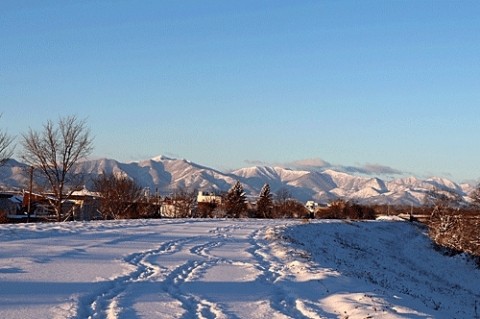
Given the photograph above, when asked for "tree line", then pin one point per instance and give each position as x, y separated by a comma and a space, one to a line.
120, 197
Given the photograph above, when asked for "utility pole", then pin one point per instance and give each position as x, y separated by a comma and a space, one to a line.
157, 203
30, 195
411, 212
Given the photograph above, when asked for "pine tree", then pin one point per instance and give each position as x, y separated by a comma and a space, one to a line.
265, 202
475, 196
235, 201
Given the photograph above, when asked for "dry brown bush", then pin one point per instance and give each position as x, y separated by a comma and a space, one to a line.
346, 210
456, 230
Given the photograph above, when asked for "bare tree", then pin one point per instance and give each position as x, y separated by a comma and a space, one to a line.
54, 151
184, 202
119, 196
336, 210
281, 202
6, 149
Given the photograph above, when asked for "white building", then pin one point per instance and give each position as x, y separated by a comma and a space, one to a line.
208, 197
312, 206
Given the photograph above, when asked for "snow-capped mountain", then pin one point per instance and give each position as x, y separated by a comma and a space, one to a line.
162, 173
165, 175
13, 174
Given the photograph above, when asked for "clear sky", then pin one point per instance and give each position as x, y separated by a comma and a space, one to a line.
382, 86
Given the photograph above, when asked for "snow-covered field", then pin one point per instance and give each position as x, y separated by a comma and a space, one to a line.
231, 269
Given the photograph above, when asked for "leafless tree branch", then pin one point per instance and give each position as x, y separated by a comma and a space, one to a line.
6, 149
54, 151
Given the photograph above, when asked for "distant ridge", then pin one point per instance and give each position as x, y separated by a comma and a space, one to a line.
167, 174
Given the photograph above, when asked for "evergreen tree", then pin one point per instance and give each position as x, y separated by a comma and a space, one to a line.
475, 196
265, 202
235, 201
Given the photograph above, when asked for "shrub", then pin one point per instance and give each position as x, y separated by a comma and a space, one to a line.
456, 230
341, 209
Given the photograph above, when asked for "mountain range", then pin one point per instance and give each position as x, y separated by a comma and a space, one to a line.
165, 175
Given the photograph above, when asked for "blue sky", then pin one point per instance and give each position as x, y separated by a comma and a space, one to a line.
383, 86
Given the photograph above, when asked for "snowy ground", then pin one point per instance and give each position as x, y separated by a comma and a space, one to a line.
230, 269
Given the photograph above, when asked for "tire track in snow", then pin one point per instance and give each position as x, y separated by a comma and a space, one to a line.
225, 231
107, 303
203, 249
195, 306
172, 285
284, 301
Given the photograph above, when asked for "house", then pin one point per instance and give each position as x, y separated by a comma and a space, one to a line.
39, 204
81, 205
14, 207
176, 208
168, 209
312, 206
209, 197
10, 206
86, 205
